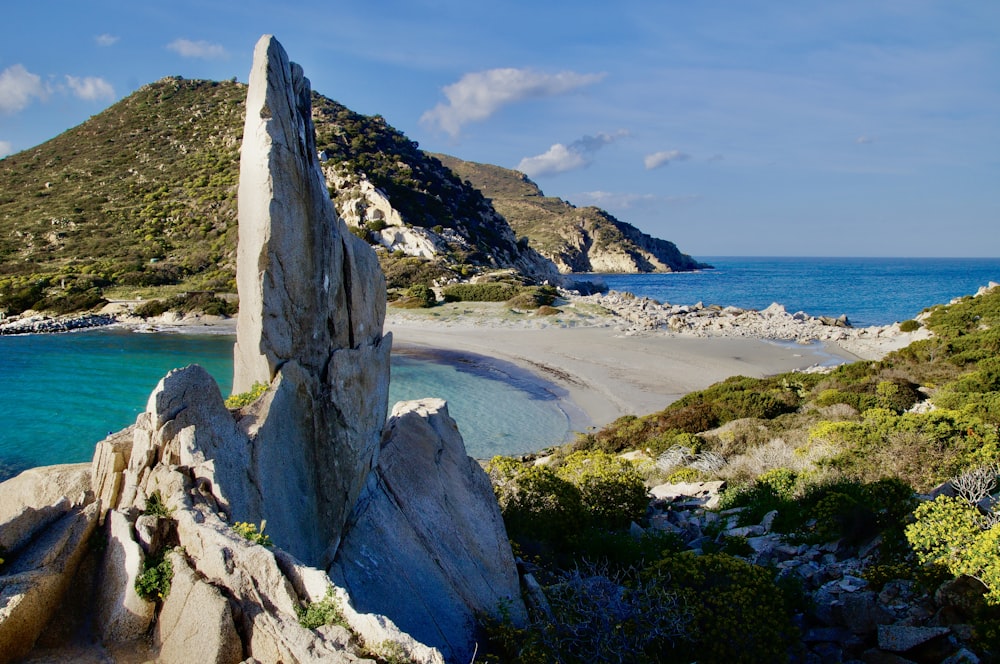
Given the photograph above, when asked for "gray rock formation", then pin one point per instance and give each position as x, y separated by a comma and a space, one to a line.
428, 527
297, 460
307, 286
196, 623
121, 614
37, 578
312, 304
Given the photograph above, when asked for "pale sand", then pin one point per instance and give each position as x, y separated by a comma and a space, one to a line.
597, 372
605, 373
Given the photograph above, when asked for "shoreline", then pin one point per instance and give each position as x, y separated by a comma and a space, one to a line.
601, 357
601, 374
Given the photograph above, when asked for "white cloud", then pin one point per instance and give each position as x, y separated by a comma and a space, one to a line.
6, 148
90, 88
198, 49
864, 140
479, 95
17, 87
663, 158
106, 40
557, 159
561, 158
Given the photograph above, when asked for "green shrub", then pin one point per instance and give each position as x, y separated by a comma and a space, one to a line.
250, 532
488, 292
242, 399
533, 297
422, 295
611, 490
540, 507
950, 533
151, 309
909, 326
206, 303
739, 613
153, 584
155, 505
326, 611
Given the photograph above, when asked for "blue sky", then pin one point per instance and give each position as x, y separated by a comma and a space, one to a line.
815, 128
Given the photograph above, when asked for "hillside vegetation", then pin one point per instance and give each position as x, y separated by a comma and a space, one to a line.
835, 461
144, 195
141, 199
584, 239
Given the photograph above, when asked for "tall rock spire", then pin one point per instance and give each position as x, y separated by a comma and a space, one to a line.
305, 285
312, 305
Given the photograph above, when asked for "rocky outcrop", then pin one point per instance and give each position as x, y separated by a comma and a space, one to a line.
312, 304
576, 239
179, 488
847, 617
439, 534
196, 623
642, 314
32, 322
37, 576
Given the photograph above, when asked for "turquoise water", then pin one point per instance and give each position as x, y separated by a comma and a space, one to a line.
61, 393
871, 291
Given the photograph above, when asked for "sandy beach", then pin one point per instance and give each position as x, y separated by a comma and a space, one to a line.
599, 371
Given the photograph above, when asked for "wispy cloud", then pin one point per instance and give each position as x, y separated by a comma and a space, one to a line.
106, 39
624, 201
478, 95
90, 88
658, 159
18, 87
608, 199
561, 158
6, 148
864, 140
198, 49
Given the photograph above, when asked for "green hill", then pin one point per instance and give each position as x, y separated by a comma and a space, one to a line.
141, 199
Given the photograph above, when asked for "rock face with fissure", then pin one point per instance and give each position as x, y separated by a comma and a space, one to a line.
312, 305
427, 528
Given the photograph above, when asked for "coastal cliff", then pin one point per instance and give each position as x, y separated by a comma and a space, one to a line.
211, 533
586, 239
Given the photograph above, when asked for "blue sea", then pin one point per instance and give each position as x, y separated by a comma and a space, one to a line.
60, 394
870, 291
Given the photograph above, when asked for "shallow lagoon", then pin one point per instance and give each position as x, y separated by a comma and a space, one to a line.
61, 393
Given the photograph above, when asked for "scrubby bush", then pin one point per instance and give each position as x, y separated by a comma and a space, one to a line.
739, 613
326, 611
951, 533
539, 507
153, 584
533, 297
488, 292
823, 511
422, 294
251, 533
207, 303
612, 492
909, 326
242, 399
